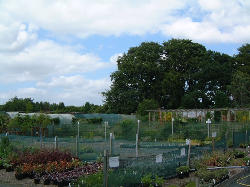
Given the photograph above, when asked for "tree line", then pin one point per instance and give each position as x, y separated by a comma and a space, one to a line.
179, 74
28, 105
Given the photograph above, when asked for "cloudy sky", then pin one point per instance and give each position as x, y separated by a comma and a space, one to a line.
65, 50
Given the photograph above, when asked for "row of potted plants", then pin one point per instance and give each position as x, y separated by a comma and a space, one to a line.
64, 178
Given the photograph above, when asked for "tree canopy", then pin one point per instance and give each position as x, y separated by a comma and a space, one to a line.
178, 74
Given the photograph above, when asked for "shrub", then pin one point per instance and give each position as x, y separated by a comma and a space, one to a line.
146, 104
239, 154
208, 175
182, 169
128, 129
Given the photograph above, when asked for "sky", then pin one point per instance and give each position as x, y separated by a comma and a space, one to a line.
65, 50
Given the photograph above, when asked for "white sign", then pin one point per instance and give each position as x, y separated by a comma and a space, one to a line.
208, 121
187, 141
213, 134
158, 158
183, 151
114, 162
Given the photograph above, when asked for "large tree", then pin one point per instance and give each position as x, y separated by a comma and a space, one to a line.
178, 73
136, 79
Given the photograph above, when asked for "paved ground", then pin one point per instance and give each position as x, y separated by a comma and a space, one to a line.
242, 181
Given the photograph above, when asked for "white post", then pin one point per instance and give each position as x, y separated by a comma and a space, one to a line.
105, 130
189, 150
208, 127
56, 145
138, 127
110, 143
172, 126
136, 145
78, 129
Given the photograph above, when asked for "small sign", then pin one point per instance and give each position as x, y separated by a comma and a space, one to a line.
114, 162
172, 119
208, 121
183, 151
187, 141
213, 134
158, 158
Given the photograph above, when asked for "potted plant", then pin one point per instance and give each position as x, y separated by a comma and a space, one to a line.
46, 179
182, 171
37, 179
19, 173
8, 166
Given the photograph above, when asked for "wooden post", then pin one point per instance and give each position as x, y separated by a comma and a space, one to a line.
197, 182
149, 118
172, 126
228, 115
160, 116
136, 145
105, 169
189, 150
246, 140
154, 117
41, 139
213, 143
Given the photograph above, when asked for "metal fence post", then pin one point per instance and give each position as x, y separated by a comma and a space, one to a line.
136, 145
105, 169
77, 147
105, 131
56, 144
41, 138
111, 143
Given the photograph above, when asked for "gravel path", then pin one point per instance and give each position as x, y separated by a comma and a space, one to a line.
7, 179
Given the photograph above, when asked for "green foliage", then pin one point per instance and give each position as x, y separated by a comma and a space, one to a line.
127, 129
4, 120
5, 147
208, 175
28, 105
146, 104
191, 184
25, 123
150, 180
94, 180
240, 89
94, 120
182, 169
147, 179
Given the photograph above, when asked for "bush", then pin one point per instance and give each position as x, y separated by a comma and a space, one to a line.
94, 180
146, 104
128, 129
239, 154
208, 175
94, 120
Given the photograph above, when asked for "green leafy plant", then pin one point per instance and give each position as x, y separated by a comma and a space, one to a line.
182, 169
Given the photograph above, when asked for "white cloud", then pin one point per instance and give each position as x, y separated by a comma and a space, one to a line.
224, 19
44, 59
16, 36
205, 31
114, 58
83, 18
74, 89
